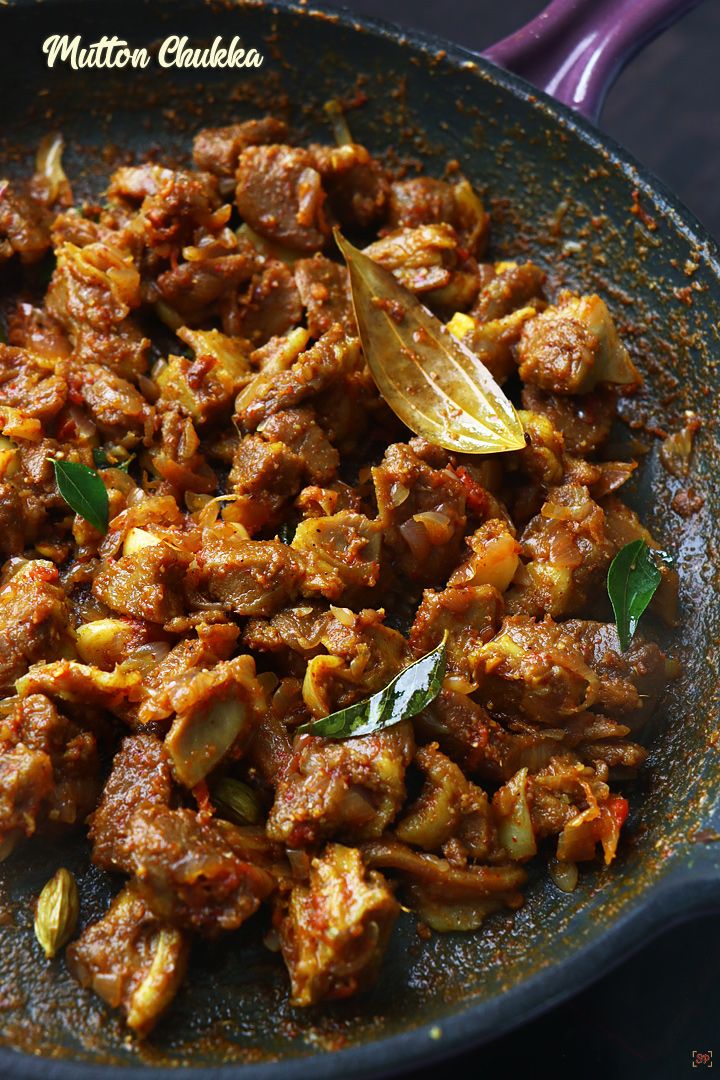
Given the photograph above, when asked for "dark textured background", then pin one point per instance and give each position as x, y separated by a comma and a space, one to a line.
647, 1017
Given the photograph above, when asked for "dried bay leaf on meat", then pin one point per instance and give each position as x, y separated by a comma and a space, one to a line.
434, 384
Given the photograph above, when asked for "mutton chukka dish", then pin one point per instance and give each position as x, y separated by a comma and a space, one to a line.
254, 541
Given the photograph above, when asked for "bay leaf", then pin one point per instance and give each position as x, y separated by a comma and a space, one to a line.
431, 381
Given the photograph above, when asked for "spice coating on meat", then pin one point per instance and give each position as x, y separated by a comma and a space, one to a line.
280, 549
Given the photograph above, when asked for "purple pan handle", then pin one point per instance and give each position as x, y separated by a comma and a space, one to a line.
575, 49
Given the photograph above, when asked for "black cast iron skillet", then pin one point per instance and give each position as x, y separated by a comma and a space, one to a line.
571, 199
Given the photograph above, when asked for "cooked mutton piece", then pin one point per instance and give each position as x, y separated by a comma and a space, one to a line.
450, 812
324, 289
573, 346
217, 150
34, 618
216, 712
132, 960
351, 790
422, 513
280, 195
199, 874
147, 584
334, 929
356, 185
92, 293
471, 615
333, 356
141, 776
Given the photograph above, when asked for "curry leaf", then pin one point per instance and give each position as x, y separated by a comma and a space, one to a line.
83, 491
408, 694
433, 382
102, 461
632, 580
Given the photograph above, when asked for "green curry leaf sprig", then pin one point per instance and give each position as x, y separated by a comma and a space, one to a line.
632, 580
408, 694
84, 492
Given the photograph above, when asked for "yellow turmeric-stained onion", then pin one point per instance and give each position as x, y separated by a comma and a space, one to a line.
398, 493
436, 524
343, 615
563, 874
576, 511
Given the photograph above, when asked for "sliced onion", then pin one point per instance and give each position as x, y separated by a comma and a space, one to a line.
343, 615
416, 537
299, 863
437, 525
459, 684
563, 874
398, 493
556, 511
49, 170
515, 831
146, 657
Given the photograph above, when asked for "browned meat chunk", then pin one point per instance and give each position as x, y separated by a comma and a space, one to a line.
566, 550
573, 346
217, 150
325, 293
422, 200
27, 382
630, 681
459, 725
350, 789
34, 618
114, 404
270, 468
249, 577
270, 306
198, 290
266, 475
334, 930
48, 770
91, 294
193, 872
584, 423
32, 328
316, 369
177, 207
422, 514
132, 960
513, 286
450, 810
146, 585
471, 616
73, 755
23, 225
140, 777
356, 185
279, 193
535, 669
26, 780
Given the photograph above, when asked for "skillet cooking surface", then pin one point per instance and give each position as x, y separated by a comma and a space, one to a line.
551, 180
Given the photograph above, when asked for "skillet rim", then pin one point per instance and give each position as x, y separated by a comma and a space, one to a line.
688, 888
